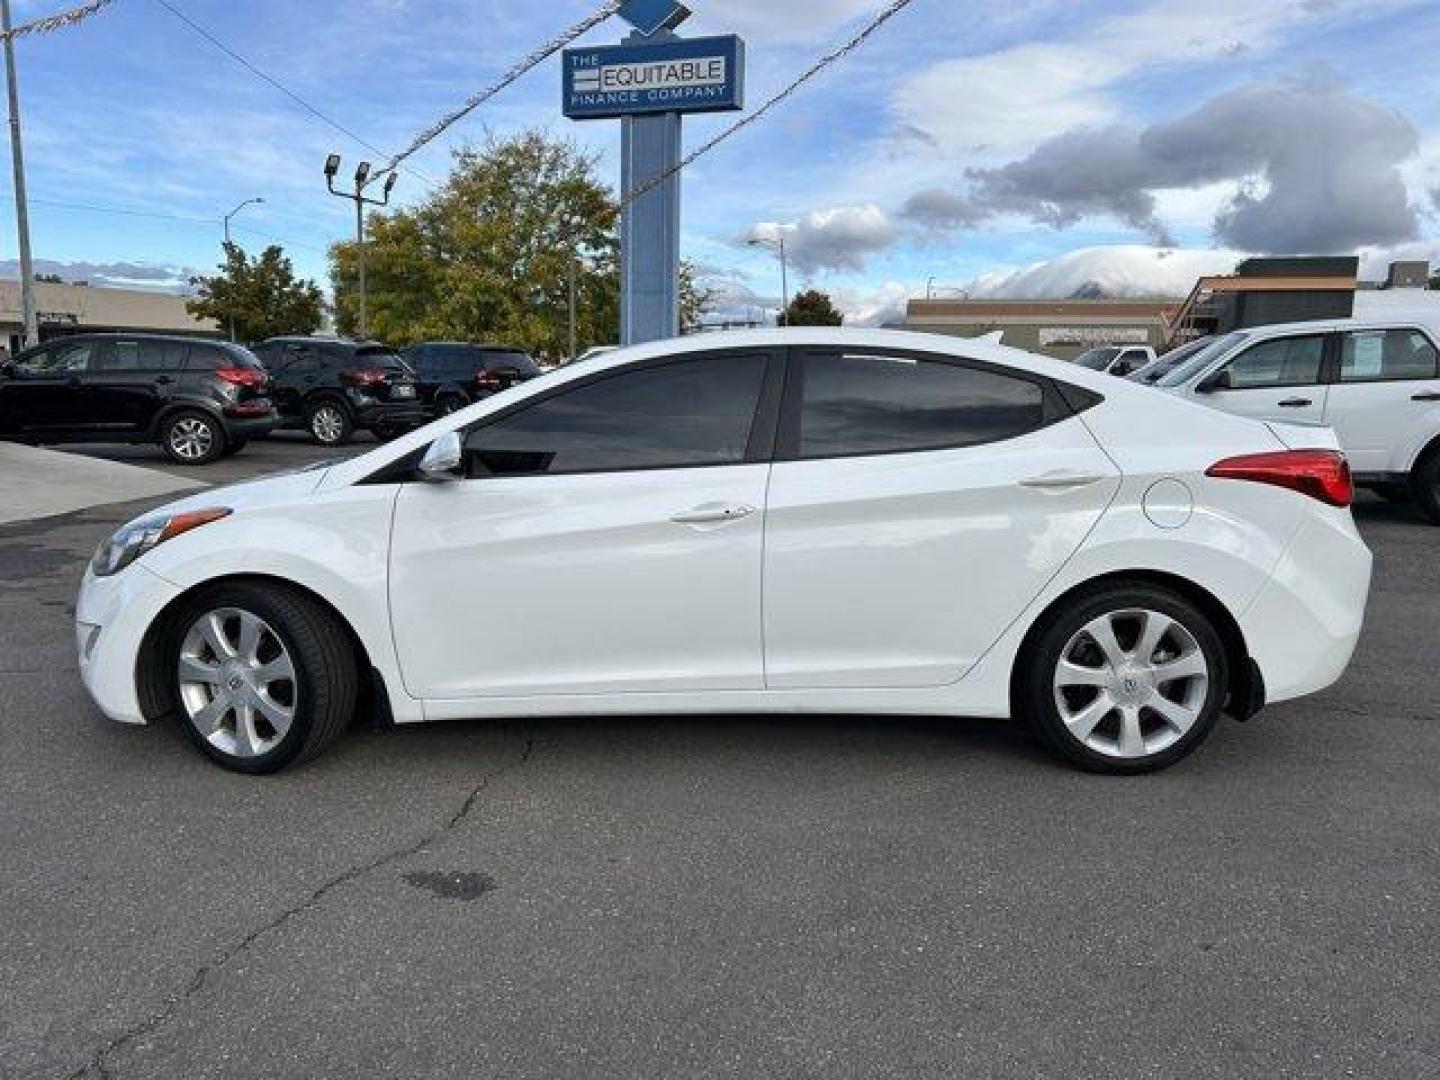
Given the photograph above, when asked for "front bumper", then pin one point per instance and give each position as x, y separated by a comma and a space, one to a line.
112, 616
1303, 627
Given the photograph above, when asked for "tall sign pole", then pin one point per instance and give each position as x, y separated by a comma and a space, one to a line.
650, 81
22, 209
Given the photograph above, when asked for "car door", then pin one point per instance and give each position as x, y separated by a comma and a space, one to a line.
1385, 400
1280, 378
46, 395
917, 505
124, 385
607, 538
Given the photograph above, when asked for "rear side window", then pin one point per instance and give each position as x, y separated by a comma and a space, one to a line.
857, 404
1387, 355
1291, 361
518, 362
381, 359
677, 415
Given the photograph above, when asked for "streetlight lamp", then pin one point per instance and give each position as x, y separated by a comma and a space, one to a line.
231, 214
358, 197
778, 244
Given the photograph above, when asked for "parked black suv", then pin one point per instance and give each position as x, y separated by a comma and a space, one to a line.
331, 387
453, 374
199, 400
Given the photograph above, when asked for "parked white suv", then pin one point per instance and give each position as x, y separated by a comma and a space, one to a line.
1375, 381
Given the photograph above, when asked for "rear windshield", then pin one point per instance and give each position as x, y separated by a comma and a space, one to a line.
1197, 363
518, 362
1097, 359
382, 359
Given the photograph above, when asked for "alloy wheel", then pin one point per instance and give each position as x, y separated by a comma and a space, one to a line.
327, 424
1131, 683
237, 682
191, 438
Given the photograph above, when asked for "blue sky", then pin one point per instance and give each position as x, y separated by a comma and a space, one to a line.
954, 100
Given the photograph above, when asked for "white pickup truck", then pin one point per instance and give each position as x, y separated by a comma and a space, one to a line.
1119, 360
1376, 381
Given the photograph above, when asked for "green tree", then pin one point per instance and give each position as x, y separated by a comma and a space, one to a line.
487, 257
813, 308
259, 298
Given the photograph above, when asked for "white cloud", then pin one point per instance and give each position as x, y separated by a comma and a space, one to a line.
769, 21
1131, 270
840, 238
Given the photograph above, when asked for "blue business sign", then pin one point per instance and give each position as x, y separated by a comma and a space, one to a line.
682, 76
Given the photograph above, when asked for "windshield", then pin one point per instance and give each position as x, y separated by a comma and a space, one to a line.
1170, 361
1201, 360
1097, 359
382, 359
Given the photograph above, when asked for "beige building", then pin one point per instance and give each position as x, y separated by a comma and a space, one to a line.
75, 309
1061, 328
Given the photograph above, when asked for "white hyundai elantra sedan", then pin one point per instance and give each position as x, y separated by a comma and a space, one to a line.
819, 521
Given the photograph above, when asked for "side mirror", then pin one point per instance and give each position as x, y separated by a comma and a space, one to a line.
442, 461
1221, 380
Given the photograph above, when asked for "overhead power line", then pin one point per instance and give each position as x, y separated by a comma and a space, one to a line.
264, 76
820, 65
536, 57
60, 21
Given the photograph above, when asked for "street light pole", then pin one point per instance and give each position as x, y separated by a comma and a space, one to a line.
227, 218
574, 304
778, 244
362, 179
22, 210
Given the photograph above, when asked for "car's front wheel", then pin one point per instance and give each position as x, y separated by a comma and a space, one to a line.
1124, 679
261, 677
1425, 484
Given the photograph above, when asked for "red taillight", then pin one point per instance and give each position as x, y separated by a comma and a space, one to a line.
1321, 474
254, 378
488, 380
365, 377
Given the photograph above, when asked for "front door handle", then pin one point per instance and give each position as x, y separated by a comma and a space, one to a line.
1296, 403
1061, 480
713, 514
1428, 395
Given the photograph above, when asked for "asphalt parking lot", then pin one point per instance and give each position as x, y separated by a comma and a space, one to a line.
841, 897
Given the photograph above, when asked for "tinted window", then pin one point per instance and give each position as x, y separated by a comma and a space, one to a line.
212, 358
1293, 361
63, 359
1201, 360
1097, 359
379, 358
872, 404
518, 362
687, 413
127, 356
1383, 355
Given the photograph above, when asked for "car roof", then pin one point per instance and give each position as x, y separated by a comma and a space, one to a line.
1429, 320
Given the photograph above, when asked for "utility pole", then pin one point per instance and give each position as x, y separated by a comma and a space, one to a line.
22, 210
362, 178
574, 259
228, 216
778, 244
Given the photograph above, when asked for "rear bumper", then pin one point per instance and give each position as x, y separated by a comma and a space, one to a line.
250, 427
370, 413
1303, 627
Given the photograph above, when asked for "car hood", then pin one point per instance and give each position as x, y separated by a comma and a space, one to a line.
263, 491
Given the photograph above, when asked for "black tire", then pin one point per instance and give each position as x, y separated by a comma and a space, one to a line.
329, 423
1038, 700
450, 403
192, 437
1425, 484
326, 680
387, 432
1392, 493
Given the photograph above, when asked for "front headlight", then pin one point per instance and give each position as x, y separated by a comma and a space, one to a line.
135, 539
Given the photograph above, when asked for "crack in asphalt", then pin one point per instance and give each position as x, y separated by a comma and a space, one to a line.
96, 1065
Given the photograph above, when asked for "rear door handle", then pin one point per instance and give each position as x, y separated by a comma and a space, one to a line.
1428, 395
1296, 403
1061, 480
713, 514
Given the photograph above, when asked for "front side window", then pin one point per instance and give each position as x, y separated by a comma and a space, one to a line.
1387, 355
1291, 361
66, 358
676, 415
857, 404
1098, 359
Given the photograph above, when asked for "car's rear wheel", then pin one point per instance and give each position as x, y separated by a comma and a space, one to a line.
450, 403
1425, 483
1124, 679
192, 438
261, 677
330, 423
